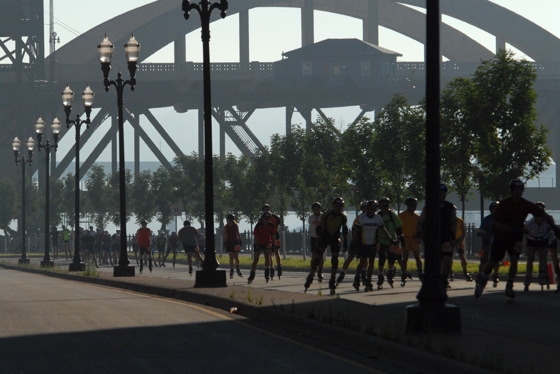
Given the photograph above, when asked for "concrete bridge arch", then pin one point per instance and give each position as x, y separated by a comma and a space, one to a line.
160, 23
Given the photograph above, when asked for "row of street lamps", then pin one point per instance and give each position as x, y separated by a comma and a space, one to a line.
209, 276
105, 49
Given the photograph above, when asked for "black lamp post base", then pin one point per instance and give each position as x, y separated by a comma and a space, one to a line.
80, 266
47, 264
23, 261
210, 278
123, 271
433, 317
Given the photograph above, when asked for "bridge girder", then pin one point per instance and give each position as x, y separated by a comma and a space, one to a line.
160, 23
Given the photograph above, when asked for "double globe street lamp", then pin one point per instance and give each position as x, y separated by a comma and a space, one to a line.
67, 101
39, 129
16, 144
132, 52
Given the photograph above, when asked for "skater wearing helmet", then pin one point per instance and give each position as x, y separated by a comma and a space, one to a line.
368, 224
411, 238
188, 238
389, 241
275, 252
353, 248
486, 232
263, 235
539, 237
333, 223
508, 234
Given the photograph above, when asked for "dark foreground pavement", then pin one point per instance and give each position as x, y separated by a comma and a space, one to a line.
496, 337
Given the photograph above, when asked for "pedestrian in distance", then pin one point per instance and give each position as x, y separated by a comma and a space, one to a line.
508, 234
410, 239
54, 235
188, 235
144, 240
263, 236
116, 246
232, 244
87, 242
486, 233
66, 241
161, 245
333, 225
459, 246
172, 246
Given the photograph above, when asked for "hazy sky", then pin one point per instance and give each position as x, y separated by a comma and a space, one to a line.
273, 31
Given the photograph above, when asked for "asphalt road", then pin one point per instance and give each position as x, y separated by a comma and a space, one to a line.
50, 325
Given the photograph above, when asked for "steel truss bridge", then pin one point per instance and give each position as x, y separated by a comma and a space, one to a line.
30, 84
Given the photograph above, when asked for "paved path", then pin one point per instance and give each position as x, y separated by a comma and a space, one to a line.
51, 325
517, 338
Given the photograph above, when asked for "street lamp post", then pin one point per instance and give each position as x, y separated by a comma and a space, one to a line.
209, 276
16, 144
132, 52
67, 101
432, 313
39, 128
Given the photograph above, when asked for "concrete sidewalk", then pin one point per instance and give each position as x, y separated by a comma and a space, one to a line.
496, 337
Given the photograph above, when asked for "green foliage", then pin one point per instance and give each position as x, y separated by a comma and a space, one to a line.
7, 203
488, 123
97, 204
398, 147
488, 131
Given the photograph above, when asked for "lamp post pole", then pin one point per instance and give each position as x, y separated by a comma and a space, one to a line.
67, 101
16, 143
39, 128
432, 313
209, 276
132, 52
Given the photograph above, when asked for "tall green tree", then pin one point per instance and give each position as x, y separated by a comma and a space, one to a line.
7, 203
189, 177
458, 149
162, 191
141, 197
68, 199
399, 145
285, 163
362, 166
97, 203
510, 145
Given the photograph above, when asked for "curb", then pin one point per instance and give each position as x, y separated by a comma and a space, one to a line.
294, 320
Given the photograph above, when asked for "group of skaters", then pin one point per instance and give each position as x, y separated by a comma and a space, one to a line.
379, 231
145, 243
511, 232
97, 247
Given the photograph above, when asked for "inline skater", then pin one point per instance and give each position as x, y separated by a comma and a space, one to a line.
508, 234
539, 238
410, 241
389, 240
486, 234
353, 248
333, 224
